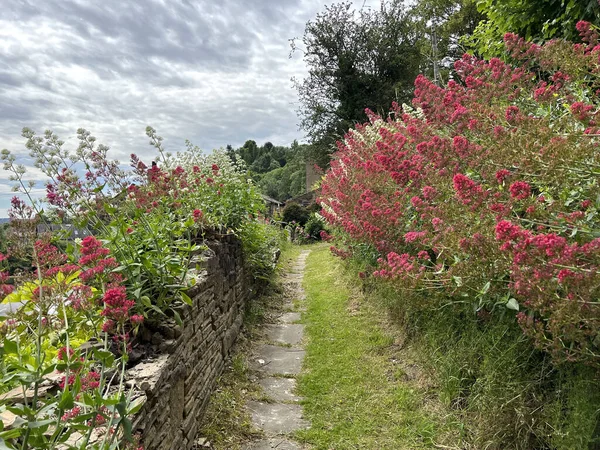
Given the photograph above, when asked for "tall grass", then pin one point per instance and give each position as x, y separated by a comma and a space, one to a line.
507, 394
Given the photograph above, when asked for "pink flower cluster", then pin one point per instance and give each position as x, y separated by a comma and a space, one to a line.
95, 262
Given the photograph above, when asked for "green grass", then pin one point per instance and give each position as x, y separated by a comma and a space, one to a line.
354, 392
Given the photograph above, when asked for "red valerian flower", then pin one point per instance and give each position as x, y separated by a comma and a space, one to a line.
512, 113
71, 414
502, 175
117, 305
520, 190
466, 189
136, 319
62, 354
90, 245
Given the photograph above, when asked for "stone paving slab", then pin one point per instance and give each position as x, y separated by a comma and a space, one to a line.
285, 333
280, 389
277, 418
285, 416
274, 360
273, 443
290, 317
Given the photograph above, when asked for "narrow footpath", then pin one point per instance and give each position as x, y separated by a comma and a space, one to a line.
277, 363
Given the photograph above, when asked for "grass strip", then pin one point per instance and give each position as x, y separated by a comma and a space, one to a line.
353, 395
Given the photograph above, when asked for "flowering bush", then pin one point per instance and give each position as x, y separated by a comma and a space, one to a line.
151, 218
64, 393
146, 230
487, 191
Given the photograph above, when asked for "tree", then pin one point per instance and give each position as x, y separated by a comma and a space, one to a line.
445, 23
534, 20
356, 60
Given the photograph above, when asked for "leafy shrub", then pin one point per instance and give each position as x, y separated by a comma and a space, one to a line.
293, 212
261, 243
480, 207
314, 226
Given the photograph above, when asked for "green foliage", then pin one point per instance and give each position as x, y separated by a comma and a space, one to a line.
445, 22
480, 203
293, 212
356, 60
151, 222
279, 172
314, 226
3, 239
504, 393
535, 20
260, 242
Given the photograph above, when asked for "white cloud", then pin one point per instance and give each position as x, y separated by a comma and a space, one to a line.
215, 73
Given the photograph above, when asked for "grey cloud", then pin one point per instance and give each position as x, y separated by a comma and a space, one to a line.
213, 72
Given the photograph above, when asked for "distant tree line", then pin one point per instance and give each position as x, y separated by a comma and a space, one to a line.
279, 171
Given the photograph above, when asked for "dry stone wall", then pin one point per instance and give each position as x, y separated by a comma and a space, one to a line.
177, 384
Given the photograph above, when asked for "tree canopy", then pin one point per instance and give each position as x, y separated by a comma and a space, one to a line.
356, 59
534, 20
279, 171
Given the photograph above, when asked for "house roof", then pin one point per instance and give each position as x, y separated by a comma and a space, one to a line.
268, 199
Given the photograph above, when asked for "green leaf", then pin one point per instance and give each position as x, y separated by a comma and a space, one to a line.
186, 298
49, 369
10, 347
99, 188
66, 400
458, 281
88, 400
127, 429
3, 445
104, 356
146, 301
486, 288
158, 310
40, 423
136, 406
177, 317
11, 434
109, 209
125, 422
14, 297
512, 304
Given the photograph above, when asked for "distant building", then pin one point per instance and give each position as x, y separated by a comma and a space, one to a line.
305, 200
273, 206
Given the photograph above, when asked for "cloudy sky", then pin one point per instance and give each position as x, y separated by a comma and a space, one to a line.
213, 72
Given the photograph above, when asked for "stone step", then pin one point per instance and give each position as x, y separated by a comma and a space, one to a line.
290, 317
273, 443
277, 418
274, 360
285, 333
280, 389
